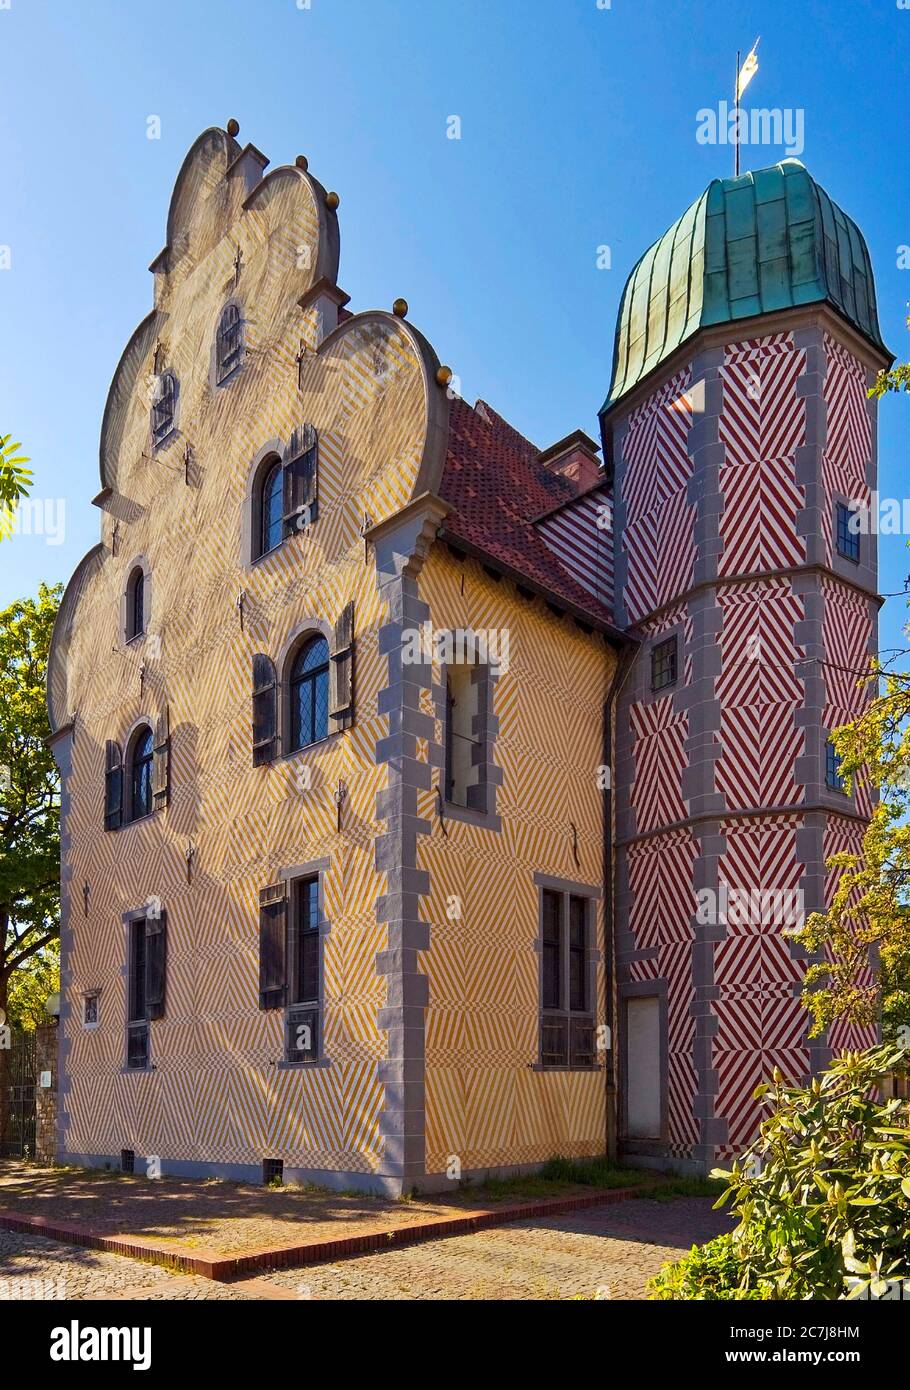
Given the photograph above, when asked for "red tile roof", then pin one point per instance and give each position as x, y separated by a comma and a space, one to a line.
496, 486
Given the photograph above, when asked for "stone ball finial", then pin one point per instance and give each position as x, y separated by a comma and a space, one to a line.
332, 200
302, 162
400, 308
443, 375
233, 127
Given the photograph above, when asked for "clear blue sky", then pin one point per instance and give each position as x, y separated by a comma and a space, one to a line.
578, 130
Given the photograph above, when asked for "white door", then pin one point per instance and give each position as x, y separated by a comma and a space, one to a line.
643, 1067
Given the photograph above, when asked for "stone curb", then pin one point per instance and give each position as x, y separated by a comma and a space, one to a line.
213, 1264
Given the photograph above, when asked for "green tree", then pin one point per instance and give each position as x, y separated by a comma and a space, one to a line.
868, 920
14, 482
29, 794
30, 986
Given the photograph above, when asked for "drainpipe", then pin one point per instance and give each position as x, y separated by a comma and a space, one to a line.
623, 667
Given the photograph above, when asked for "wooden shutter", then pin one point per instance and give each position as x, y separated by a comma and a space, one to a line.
341, 671
155, 964
273, 915
301, 479
265, 710
113, 786
161, 766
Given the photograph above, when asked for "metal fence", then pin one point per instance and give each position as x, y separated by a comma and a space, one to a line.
18, 1070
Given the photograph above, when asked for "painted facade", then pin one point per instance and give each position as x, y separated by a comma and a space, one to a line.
711, 523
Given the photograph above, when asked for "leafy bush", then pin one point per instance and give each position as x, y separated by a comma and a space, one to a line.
824, 1194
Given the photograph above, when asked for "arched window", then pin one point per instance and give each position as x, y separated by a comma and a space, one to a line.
164, 407
135, 604
271, 509
230, 341
140, 773
308, 690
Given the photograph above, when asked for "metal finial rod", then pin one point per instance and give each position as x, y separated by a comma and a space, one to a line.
736, 118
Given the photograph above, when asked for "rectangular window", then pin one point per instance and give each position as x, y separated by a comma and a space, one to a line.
552, 985
833, 776
147, 946
567, 1023
302, 1018
663, 664
138, 1010
89, 1010
460, 738
847, 537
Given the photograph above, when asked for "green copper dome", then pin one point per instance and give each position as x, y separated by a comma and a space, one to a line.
769, 240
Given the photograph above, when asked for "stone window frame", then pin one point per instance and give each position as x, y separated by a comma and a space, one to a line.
216, 379
267, 455
315, 868
664, 641
644, 989
593, 894
161, 441
87, 994
129, 920
128, 746
842, 509
309, 627
481, 808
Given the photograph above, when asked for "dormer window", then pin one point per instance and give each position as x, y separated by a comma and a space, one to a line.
230, 341
164, 408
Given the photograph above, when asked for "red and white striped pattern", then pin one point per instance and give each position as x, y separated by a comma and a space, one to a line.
761, 425
661, 920
582, 543
760, 1020
660, 757
848, 441
658, 536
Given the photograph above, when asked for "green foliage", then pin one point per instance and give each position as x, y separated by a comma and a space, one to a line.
709, 1273
29, 787
824, 1194
869, 911
14, 481
31, 984
590, 1172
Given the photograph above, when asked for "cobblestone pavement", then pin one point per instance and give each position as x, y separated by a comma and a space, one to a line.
33, 1267
216, 1215
605, 1252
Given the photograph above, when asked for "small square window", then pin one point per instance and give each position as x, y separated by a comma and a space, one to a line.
834, 778
89, 1010
272, 1172
847, 532
664, 664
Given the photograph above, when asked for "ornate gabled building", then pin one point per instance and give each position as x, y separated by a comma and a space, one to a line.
409, 770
